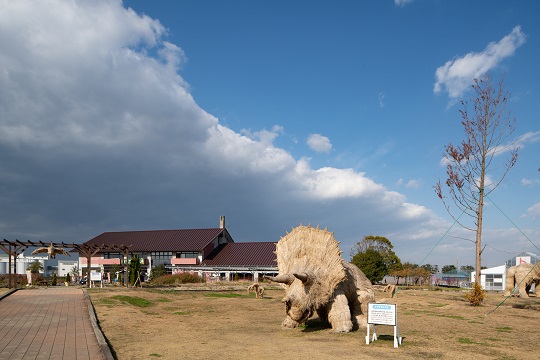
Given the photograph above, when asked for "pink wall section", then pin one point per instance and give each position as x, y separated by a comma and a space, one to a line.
184, 261
101, 261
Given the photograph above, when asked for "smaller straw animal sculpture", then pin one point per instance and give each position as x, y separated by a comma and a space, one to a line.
257, 289
51, 251
390, 289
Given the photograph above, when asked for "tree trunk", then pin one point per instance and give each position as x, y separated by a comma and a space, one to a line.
479, 238
480, 211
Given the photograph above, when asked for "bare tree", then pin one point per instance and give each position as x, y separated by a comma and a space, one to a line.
471, 167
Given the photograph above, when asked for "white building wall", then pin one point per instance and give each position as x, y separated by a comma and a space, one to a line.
64, 267
492, 279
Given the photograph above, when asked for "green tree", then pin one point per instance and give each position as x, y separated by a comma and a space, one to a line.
54, 279
407, 271
74, 271
372, 264
113, 270
487, 131
466, 268
35, 267
433, 269
448, 268
158, 271
381, 245
134, 270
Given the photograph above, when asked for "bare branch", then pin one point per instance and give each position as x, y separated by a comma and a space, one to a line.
472, 166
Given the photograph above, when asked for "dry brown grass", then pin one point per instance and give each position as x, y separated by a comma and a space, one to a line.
203, 325
4, 290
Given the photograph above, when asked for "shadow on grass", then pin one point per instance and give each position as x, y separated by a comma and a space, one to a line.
315, 324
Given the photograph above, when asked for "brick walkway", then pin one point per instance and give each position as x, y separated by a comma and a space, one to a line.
47, 323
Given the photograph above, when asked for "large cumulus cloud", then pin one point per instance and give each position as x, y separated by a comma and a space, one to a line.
99, 132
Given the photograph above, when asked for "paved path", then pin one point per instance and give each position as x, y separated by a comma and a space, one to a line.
48, 323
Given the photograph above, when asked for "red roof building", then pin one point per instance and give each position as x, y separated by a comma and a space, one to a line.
212, 253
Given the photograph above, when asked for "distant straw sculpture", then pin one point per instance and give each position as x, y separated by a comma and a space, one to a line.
318, 280
390, 289
257, 289
51, 251
523, 276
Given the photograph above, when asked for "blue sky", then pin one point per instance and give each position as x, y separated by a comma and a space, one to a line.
162, 115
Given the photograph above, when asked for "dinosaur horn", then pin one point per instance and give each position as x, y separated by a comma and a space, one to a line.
284, 279
303, 277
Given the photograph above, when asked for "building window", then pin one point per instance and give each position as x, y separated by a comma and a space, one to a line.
187, 254
161, 257
112, 256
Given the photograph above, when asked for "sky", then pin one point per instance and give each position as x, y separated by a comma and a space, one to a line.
150, 115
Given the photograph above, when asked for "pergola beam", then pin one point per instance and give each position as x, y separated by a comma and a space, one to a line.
11, 248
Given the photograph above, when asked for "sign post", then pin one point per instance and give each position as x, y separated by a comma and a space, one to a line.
382, 314
95, 276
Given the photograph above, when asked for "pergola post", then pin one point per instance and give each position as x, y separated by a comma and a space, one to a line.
11, 251
126, 260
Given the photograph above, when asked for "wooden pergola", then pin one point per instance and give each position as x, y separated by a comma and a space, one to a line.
15, 248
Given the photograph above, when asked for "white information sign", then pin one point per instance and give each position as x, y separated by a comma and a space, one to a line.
382, 314
95, 276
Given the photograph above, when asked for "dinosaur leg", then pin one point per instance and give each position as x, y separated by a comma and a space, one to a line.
522, 288
359, 307
510, 281
339, 314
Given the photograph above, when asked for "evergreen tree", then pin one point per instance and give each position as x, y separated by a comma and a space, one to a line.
134, 270
372, 264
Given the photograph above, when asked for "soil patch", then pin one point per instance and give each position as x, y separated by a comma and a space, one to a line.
230, 324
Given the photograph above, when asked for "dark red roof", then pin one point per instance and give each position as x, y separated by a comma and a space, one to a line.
159, 240
243, 254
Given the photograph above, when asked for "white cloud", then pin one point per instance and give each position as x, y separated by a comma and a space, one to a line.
99, 132
457, 75
331, 183
381, 99
264, 136
533, 212
319, 143
413, 184
402, 3
530, 182
527, 138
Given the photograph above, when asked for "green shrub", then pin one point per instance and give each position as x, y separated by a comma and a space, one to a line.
54, 279
477, 295
157, 271
181, 278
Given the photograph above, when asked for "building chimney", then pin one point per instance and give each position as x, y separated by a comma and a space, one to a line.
222, 222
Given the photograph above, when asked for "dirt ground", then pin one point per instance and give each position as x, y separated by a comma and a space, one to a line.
172, 324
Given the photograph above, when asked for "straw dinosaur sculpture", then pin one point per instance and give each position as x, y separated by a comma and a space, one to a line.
257, 289
522, 276
51, 251
317, 280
